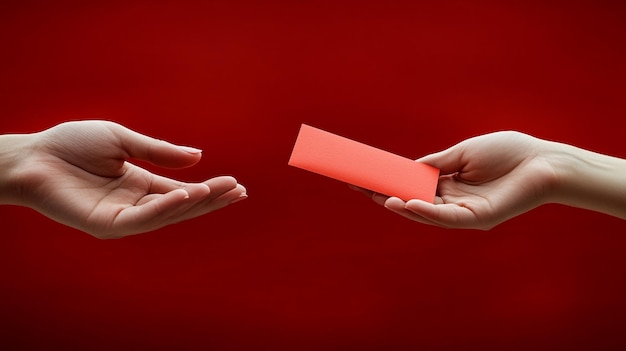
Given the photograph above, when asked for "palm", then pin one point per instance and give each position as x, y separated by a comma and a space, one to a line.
487, 203
83, 181
485, 181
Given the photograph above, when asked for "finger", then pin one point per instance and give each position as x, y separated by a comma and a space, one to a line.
159, 210
212, 204
376, 197
234, 195
394, 203
398, 206
157, 152
448, 215
449, 161
218, 185
221, 185
147, 216
357, 188
161, 185
363, 191
379, 198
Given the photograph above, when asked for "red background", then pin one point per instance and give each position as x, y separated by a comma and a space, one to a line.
305, 263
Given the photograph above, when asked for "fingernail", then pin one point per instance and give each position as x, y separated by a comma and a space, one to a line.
191, 150
241, 197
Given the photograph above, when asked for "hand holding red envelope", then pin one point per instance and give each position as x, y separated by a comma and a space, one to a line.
362, 165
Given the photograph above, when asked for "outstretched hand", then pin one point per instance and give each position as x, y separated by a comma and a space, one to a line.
78, 173
484, 181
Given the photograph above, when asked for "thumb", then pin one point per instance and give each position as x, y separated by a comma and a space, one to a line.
157, 152
448, 161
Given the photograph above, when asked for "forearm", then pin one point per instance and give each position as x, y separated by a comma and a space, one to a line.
590, 180
14, 148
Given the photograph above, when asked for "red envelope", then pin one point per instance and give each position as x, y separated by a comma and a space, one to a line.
363, 165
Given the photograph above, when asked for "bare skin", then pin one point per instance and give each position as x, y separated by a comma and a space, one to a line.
79, 174
491, 178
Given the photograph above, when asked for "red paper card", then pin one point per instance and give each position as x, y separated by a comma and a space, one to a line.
363, 165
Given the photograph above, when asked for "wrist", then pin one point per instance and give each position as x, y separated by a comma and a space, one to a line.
14, 149
589, 180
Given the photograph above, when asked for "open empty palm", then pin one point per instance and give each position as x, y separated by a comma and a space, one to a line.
78, 173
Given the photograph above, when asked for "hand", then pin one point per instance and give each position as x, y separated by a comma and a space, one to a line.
484, 181
77, 173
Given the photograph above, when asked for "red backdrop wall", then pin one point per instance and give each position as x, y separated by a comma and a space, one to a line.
305, 263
